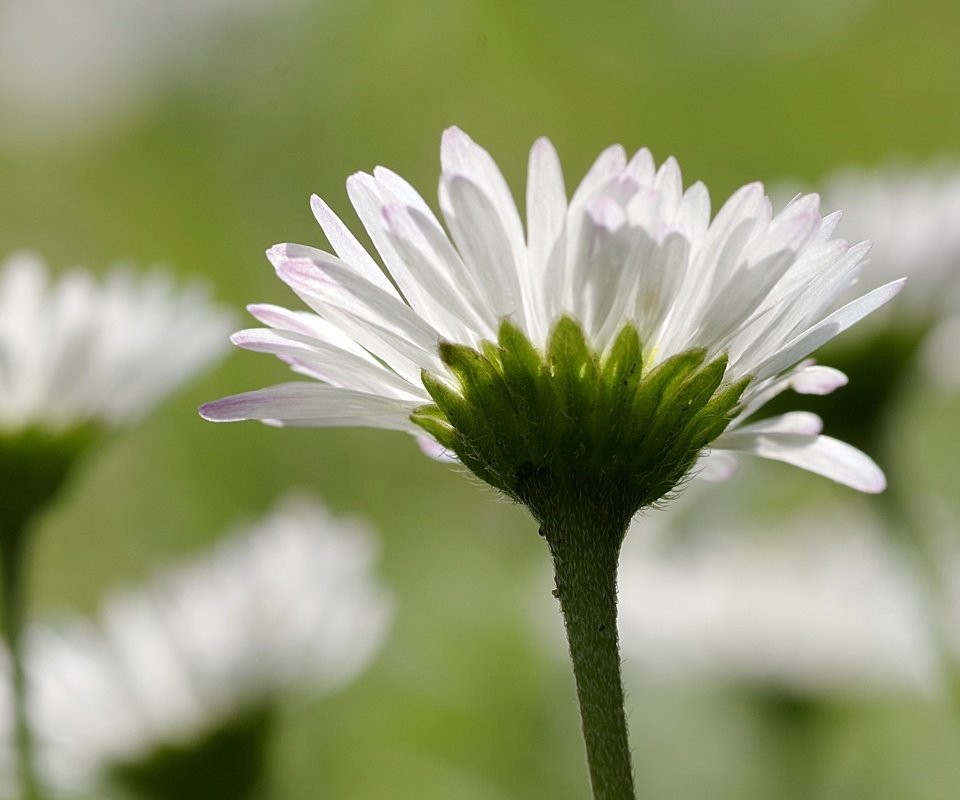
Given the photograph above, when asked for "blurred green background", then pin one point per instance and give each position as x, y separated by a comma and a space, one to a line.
208, 154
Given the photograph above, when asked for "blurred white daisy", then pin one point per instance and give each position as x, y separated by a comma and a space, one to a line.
912, 214
290, 603
81, 349
101, 58
822, 605
628, 275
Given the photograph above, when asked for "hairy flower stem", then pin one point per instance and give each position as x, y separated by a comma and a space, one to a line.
585, 548
12, 547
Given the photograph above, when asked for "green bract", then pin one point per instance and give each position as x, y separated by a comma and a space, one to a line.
33, 465
570, 420
228, 761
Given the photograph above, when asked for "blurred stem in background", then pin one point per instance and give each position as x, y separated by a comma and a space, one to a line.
795, 726
33, 467
13, 544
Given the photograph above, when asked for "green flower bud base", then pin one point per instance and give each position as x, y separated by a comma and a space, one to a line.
535, 424
229, 761
584, 440
33, 466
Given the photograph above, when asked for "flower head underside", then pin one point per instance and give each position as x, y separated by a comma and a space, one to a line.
623, 332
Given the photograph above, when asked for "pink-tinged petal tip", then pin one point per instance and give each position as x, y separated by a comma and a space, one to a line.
219, 411
818, 380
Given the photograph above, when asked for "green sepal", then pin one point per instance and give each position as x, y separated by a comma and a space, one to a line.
484, 389
620, 374
528, 381
717, 414
682, 399
451, 404
34, 463
655, 390
491, 352
623, 365
575, 376
535, 424
434, 422
573, 367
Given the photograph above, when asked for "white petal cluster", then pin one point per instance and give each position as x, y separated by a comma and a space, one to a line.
79, 349
822, 605
291, 603
630, 246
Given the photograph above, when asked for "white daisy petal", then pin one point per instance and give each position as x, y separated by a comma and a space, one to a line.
325, 283
296, 403
369, 197
445, 279
669, 182
460, 155
430, 447
832, 326
816, 379
327, 363
305, 324
478, 232
546, 214
805, 378
823, 455
801, 423
717, 465
347, 247
609, 163
693, 216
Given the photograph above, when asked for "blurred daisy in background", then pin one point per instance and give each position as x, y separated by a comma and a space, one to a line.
912, 214
102, 60
171, 692
803, 619
811, 604
80, 355
81, 349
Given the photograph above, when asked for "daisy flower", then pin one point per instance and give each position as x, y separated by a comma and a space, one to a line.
79, 355
628, 276
287, 605
583, 366
82, 350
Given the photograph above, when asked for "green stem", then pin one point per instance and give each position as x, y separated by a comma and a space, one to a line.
12, 547
585, 553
